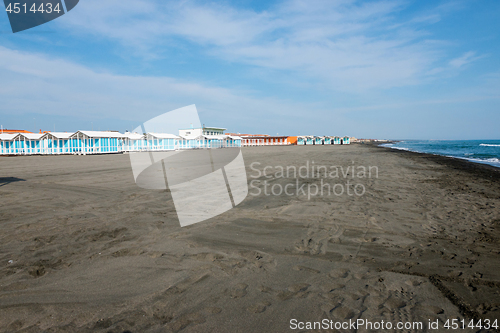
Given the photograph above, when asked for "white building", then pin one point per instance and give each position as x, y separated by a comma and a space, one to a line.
195, 132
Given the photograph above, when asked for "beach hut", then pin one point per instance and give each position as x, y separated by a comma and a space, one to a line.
248, 140
161, 141
275, 140
30, 143
54, 143
301, 140
134, 142
345, 140
336, 140
310, 140
216, 141
253, 140
23, 143
192, 141
318, 140
8, 143
291, 140
97, 142
327, 140
233, 141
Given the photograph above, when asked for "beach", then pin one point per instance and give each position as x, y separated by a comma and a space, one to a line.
415, 240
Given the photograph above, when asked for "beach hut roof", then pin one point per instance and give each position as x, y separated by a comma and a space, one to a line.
163, 135
234, 137
133, 136
100, 134
58, 135
31, 136
8, 136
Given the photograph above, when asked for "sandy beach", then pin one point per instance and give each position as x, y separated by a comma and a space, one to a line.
84, 249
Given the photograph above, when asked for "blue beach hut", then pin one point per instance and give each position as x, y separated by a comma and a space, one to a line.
55, 143
8, 143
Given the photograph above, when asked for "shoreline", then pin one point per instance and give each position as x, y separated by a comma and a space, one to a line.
457, 163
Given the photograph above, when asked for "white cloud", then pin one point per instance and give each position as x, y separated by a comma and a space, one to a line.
465, 59
35, 83
345, 45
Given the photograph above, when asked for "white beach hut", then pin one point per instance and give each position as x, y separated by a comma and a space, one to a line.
233, 141
8, 143
345, 140
216, 141
162, 141
97, 142
55, 143
134, 141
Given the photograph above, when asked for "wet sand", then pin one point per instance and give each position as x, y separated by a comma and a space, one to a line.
83, 249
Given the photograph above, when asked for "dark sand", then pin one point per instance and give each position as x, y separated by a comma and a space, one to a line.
83, 249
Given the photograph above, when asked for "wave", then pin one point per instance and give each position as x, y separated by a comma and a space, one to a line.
467, 155
488, 145
490, 161
398, 148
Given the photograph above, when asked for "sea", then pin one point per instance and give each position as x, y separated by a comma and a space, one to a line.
479, 151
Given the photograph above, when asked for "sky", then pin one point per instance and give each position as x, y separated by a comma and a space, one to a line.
368, 69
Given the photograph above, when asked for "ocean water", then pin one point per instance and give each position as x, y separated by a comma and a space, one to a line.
479, 151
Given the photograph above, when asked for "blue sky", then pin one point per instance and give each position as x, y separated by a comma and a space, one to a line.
369, 69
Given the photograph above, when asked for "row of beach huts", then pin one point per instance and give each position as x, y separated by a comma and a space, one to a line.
105, 142
266, 140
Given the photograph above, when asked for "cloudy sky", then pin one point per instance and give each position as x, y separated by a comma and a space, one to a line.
379, 69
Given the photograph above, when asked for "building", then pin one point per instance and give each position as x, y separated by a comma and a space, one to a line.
107, 142
11, 131
8, 143
202, 131
162, 141
292, 140
267, 140
54, 143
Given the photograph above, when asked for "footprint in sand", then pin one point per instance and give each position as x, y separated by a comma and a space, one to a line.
239, 290
395, 303
258, 307
296, 291
185, 320
213, 310
339, 273
413, 282
306, 269
343, 312
332, 286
